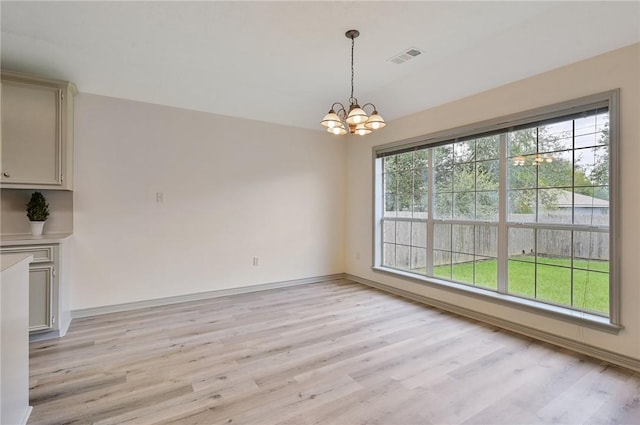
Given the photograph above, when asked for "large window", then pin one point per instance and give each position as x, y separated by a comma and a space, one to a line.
522, 208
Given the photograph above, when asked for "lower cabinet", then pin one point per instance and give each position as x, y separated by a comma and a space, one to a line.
45, 303
41, 317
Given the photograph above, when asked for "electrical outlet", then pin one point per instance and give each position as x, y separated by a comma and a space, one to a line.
256, 261
159, 197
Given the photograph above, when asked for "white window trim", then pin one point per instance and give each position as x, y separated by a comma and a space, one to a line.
610, 99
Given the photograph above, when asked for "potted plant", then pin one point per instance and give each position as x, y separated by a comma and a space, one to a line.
37, 211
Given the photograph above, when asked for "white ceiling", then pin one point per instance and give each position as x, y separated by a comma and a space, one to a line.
287, 62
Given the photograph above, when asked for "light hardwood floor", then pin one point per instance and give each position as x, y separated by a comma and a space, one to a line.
335, 352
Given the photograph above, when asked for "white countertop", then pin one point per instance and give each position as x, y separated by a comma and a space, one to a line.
28, 239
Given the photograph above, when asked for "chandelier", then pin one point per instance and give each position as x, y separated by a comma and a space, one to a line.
356, 120
537, 160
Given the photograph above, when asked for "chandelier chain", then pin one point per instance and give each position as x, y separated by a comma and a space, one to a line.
352, 45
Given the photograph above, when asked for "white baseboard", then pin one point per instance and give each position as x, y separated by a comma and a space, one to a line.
599, 353
94, 311
59, 333
27, 413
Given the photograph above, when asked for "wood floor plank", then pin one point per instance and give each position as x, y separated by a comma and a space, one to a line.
591, 392
334, 352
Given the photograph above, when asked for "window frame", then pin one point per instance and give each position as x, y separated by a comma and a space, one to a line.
609, 99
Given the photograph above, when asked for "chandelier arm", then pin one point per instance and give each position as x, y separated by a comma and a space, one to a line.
337, 103
370, 104
341, 112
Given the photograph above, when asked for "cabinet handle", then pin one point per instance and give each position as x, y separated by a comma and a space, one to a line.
6, 174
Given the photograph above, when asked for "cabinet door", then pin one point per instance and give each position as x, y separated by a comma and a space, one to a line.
31, 134
40, 290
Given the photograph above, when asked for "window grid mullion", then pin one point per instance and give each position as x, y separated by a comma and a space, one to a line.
430, 211
503, 236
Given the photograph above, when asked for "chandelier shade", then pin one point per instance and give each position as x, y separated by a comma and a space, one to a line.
355, 119
331, 119
362, 130
375, 121
356, 115
339, 131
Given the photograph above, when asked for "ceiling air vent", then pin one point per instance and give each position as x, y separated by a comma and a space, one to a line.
408, 54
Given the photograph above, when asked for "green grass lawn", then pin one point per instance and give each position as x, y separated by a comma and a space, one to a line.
590, 287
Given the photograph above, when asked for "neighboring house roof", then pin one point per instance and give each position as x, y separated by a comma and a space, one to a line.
579, 200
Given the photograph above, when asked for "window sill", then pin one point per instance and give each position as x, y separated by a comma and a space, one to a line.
555, 312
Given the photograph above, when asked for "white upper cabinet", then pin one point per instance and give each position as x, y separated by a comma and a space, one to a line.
37, 132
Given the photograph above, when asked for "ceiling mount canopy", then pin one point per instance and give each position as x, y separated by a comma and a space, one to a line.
340, 120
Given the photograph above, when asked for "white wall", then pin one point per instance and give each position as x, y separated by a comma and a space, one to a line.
233, 189
617, 69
